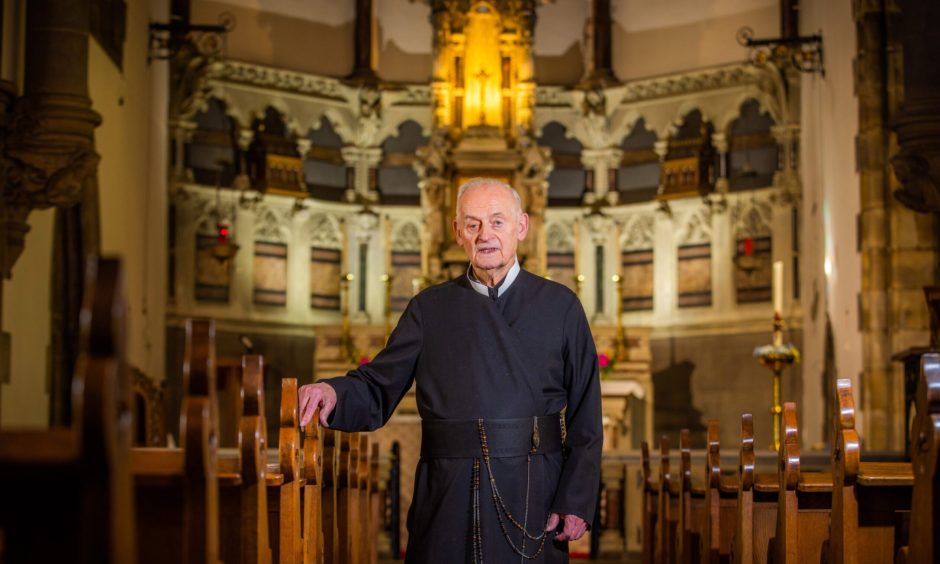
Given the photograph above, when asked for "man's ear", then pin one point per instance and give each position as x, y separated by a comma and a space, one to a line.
523, 226
457, 236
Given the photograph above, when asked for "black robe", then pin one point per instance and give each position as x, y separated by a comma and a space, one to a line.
528, 353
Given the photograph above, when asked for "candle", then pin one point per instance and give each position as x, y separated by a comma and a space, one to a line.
778, 286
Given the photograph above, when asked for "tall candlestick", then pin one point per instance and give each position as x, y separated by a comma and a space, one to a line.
778, 286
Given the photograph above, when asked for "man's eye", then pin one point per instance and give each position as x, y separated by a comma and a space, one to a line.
473, 226
498, 223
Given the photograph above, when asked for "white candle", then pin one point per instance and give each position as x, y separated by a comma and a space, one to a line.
778, 286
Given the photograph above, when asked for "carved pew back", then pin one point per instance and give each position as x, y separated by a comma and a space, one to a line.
804, 501
177, 490
91, 516
242, 484
870, 500
668, 510
924, 542
756, 510
285, 480
650, 507
691, 505
313, 470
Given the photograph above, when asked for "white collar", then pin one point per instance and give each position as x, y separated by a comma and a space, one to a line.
510, 278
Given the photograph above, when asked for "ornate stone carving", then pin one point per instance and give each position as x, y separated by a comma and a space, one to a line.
673, 85
269, 227
560, 237
278, 79
407, 237
639, 233
324, 232
698, 228
921, 186
751, 218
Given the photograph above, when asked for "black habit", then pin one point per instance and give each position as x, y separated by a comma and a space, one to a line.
527, 353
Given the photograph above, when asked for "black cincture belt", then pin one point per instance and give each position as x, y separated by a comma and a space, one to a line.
506, 437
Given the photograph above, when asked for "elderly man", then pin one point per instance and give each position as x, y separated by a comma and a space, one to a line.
496, 355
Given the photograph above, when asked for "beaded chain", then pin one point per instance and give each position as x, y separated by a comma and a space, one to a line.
499, 504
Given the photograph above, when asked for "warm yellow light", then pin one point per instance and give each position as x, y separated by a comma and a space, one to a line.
482, 100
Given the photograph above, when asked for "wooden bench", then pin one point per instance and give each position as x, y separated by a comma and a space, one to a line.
691, 505
312, 491
871, 501
756, 509
66, 492
804, 501
242, 485
668, 510
285, 481
720, 503
177, 489
923, 544
650, 515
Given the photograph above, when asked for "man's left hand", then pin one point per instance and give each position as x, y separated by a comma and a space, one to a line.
574, 526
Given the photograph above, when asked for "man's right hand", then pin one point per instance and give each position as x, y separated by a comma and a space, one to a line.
314, 396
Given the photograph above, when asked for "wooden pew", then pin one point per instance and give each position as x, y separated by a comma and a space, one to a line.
347, 498
924, 541
364, 528
721, 494
177, 491
756, 509
650, 515
691, 505
66, 492
668, 510
285, 480
870, 500
804, 501
242, 485
314, 471
376, 505
329, 518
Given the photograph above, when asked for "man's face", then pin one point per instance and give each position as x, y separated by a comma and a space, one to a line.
488, 227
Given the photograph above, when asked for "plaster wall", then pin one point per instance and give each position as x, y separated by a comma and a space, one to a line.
830, 263
311, 36
651, 37
132, 179
24, 399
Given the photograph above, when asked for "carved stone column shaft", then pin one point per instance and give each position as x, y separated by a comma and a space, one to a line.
48, 150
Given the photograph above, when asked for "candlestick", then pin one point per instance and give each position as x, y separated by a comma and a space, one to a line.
778, 286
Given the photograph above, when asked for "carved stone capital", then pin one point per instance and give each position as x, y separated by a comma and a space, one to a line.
917, 164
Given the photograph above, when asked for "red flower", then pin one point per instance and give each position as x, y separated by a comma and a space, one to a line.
364, 360
603, 360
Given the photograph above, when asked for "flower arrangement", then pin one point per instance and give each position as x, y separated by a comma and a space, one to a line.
606, 363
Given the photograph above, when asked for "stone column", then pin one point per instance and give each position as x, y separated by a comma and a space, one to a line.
364, 64
720, 142
872, 143
599, 70
917, 164
362, 160
601, 162
787, 176
49, 149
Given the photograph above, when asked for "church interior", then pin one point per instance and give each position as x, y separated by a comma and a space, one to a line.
743, 194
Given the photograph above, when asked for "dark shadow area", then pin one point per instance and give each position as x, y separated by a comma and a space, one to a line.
285, 356
672, 388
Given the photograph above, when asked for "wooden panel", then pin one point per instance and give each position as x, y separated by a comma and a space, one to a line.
637, 272
561, 269
694, 275
325, 274
270, 273
406, 266
213, 276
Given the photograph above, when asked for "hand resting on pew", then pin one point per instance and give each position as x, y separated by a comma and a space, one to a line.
314, 396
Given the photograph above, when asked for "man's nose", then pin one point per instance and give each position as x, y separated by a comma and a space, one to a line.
485, 232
